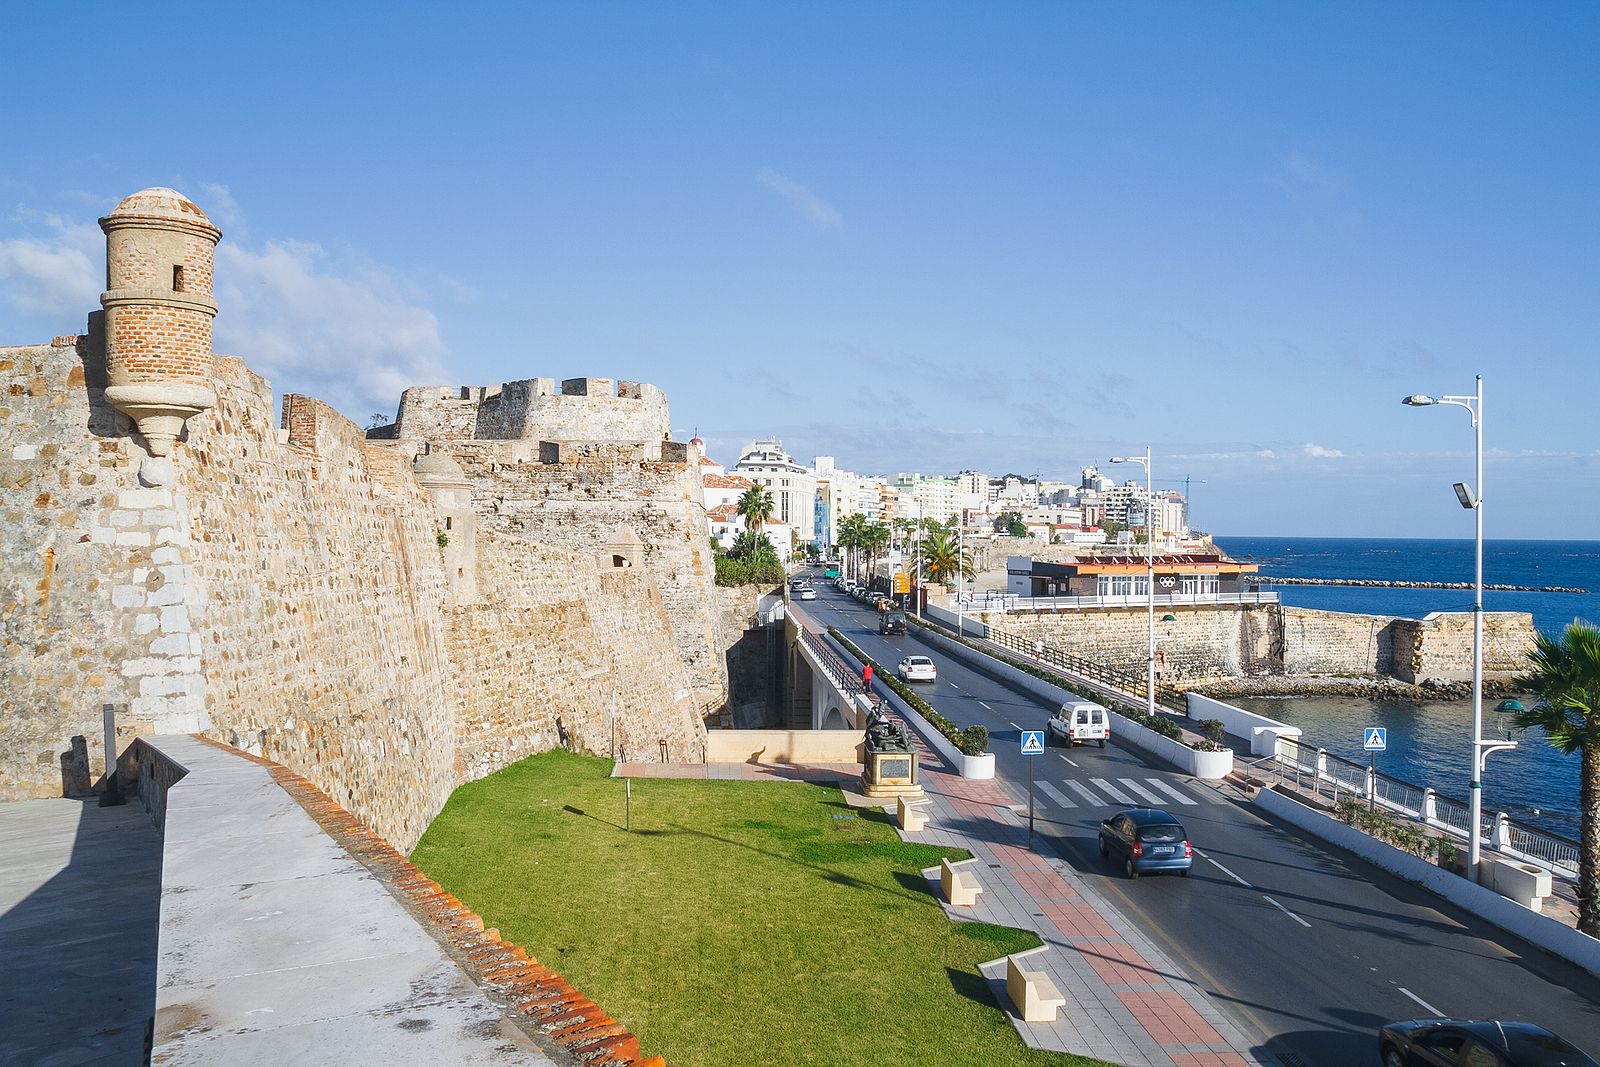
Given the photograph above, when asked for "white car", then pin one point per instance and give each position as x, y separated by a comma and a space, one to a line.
917, 669
808, 593
1080, 721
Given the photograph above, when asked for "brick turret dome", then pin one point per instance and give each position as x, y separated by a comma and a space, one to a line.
159, 202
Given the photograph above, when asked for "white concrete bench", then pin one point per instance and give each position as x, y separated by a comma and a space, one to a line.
911, 814
1035, 995
960, 888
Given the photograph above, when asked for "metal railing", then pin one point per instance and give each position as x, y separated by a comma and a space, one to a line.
1128, 681
1015, 603
1324, 774
843, 677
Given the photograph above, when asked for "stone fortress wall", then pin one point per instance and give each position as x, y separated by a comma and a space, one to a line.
286, 588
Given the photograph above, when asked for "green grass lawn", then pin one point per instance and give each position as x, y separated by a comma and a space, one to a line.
738, 921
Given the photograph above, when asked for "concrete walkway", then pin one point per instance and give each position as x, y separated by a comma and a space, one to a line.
80, 891
277, 946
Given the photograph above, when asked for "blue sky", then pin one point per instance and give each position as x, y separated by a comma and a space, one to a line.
916, 237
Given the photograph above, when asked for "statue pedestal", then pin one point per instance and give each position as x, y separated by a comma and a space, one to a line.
890, 772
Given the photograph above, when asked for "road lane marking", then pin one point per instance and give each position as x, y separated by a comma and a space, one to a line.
1419, 1000
1068, 758
1111, 791
991, 709
1014, 726
1094, 801
1134, 787
1223, 869
1301, 921
1056, 795
1156, 783
954, 686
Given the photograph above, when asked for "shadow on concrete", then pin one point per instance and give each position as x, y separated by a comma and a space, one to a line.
80, 905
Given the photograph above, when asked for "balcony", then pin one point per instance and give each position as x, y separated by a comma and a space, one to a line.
1013, 603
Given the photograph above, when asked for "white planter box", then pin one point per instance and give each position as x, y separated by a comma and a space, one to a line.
977, 766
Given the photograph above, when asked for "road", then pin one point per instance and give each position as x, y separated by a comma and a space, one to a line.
1312, 950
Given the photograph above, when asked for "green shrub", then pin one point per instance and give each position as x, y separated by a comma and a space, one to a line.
1378, 823
755, 571
973, 741
1213, 730
442, 538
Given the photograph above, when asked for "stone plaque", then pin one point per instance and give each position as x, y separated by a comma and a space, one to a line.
894, 767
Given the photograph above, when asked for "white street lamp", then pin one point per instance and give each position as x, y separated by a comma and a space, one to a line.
1473, 499
1150, 572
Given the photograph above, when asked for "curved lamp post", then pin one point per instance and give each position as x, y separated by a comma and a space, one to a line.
1150, 571
1482, 748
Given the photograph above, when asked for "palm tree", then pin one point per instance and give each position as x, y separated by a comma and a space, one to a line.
942, 557
875, 538
852, 536
1565, 680
756, 507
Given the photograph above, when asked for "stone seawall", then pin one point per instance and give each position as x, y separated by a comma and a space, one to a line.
1254, 640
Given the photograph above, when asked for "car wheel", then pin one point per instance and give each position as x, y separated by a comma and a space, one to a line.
1105, 849
1129, 869
1102, 742
1184, 872
1392, 1057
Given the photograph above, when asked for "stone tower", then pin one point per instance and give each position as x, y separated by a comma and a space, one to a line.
159, 253
446, 485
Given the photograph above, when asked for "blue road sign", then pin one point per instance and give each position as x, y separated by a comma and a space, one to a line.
1376, 739
1033, 742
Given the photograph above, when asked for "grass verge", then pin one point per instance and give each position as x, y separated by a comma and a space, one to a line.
737, 922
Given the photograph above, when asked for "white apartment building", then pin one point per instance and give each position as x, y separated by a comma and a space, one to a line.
938, 499
793, 487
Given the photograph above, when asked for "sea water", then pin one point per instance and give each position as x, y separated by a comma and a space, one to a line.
1428, 741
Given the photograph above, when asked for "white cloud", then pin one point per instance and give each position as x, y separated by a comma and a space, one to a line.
220, 206
1318, 452
57, 276
802, 199
314, 324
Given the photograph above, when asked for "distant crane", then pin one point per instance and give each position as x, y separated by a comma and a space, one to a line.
1187, 502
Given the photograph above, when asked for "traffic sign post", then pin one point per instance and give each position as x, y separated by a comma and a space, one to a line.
1032, 745
1374, 739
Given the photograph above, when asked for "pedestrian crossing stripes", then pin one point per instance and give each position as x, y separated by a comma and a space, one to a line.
1110, 790
1056, 795
1126, 792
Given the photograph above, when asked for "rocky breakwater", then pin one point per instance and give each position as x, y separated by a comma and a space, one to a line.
1371, 688
1267, 579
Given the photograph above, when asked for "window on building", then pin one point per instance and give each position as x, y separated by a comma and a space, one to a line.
177, 279
447, 522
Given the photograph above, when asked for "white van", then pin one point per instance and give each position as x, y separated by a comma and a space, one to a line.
1081, 721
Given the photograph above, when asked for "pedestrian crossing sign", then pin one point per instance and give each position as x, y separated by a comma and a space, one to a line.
1033, 742
1376, 739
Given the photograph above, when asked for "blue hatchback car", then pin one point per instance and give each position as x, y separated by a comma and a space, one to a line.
1145, 841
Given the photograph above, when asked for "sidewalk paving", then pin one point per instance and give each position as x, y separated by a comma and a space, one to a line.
1126, 1001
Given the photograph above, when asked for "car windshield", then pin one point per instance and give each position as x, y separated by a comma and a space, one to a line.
919, 661
1543, 1050
1161, 833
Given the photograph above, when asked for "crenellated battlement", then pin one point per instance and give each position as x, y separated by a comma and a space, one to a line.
534, 409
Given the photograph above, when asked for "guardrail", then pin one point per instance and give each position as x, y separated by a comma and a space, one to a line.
1015, 603
1326, 774
844, 678
1128, 681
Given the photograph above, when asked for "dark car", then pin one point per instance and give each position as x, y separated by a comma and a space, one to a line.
1146, 840
1458, 1043
892, 622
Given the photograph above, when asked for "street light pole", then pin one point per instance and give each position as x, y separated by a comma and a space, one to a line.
1150, 573
1472, 497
